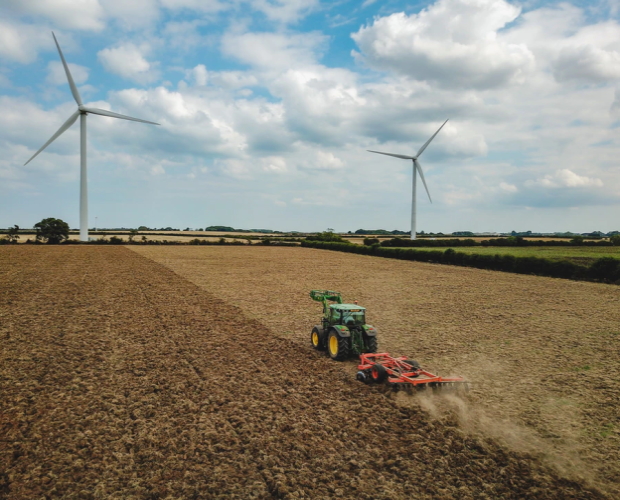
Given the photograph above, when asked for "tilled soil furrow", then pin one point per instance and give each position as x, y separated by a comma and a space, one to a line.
135, 383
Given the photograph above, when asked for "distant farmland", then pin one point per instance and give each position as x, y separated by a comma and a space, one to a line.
576, 254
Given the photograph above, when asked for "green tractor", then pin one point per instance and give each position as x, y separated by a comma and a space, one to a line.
343, 331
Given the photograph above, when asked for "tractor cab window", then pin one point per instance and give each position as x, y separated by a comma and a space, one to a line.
335, 319
353, 318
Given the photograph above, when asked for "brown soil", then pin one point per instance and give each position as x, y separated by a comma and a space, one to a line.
543, 353
121, 379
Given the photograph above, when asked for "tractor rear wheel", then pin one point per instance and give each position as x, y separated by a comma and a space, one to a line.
316, 340
337, 347
371, 344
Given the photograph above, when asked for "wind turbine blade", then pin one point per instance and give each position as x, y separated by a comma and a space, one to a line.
103, 112
392, 154
429, 141
74, 90
418, 167
64, 127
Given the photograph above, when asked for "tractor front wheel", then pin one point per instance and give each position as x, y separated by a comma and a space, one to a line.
337, 347
316, 340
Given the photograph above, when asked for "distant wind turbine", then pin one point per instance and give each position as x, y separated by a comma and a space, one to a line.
81, 111
416, 168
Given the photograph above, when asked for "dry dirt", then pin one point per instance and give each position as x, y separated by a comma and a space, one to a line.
543, 353
122, 379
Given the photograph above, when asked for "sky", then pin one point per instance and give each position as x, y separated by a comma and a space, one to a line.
268, 107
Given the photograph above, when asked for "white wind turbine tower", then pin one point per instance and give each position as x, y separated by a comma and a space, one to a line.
416, 168
81, 111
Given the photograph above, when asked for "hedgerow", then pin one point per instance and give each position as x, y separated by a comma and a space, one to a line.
605, 269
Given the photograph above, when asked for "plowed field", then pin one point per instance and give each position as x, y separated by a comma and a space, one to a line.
122, 379
544, 353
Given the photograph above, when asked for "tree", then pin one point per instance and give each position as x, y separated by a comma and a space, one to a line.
577, 240
132, 234
615, 240
13, 234
52, 230
326, 236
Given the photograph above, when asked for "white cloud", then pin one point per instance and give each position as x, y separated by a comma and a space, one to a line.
510, 188
274, 50
184, 35
274, 164
588, 63
322, 160
285, 11
128, 60
455, 43
208, 6
233, 79
22, 42
85, 15
133, 14
199, 75
565, 178
573, 49
56, 73
157, 170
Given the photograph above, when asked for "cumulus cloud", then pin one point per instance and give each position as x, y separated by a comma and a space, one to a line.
595, 61
455, 43
199, 75
322, 160
274, 164
22, 42
565, 178
510, 188
274, 50
134, 14
72, 14
233, 79
570, 47
207, 6
128, 60
285, 11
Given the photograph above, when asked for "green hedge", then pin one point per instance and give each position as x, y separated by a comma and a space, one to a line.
606, 269
495, 242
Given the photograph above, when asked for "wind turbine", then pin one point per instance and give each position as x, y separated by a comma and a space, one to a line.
416, 168
81, 111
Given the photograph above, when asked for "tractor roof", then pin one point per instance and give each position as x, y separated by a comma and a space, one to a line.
347, 307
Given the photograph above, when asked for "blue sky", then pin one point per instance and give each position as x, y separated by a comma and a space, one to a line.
267, 109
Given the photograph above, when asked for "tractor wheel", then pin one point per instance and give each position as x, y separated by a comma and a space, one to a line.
337, 346
371, 344
378, 373
315, 339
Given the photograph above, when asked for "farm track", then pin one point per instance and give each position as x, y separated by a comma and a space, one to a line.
121, 379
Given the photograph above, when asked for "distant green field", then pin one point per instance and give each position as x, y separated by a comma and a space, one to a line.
578, 255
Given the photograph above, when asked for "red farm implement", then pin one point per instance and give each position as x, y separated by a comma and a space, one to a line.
401, 373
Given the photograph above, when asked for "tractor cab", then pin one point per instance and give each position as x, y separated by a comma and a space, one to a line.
349, 315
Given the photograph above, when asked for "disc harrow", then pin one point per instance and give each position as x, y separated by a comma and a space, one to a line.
402, 373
